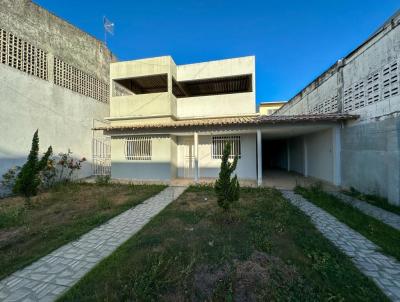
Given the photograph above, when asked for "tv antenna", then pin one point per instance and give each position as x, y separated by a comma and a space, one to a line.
108, 28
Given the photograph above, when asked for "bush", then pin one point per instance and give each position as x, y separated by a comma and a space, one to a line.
227, 188
10, 177
28, 180
68, 165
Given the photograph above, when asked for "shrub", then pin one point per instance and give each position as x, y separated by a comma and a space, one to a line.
68, 165
28, 180
10, 177
226, 187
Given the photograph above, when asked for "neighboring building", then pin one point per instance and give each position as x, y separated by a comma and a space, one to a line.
170, 121
367, 83
268, 108
54, 77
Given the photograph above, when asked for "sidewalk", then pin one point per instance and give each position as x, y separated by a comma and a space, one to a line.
52, 275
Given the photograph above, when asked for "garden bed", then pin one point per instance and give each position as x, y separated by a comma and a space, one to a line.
58, 216
264, 249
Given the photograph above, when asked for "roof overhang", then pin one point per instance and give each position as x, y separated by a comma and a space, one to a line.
241, 122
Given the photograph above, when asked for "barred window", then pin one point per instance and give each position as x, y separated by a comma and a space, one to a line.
72, 78
22, 55
138, 148
219, 142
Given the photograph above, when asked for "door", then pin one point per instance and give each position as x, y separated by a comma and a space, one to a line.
188, 157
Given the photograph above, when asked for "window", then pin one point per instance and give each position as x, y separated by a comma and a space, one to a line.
219, 142
138, 148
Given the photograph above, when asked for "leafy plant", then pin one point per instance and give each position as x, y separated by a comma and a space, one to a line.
10, 177
68, 165
226, 187
28, 180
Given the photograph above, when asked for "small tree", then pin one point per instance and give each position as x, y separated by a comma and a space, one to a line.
226, 187
28, 180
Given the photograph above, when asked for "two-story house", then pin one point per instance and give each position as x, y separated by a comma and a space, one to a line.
171, 121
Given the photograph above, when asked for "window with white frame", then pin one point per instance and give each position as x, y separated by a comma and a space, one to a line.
138, 148
219, 142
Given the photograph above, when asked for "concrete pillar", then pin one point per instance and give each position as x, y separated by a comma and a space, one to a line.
288, 154
196, 157
259, 158
336, 154
305, 152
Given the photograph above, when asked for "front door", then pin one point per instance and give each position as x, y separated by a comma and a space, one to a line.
188, 157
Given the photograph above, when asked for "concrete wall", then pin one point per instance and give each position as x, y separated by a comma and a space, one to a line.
225, 104
64, 118
320, 155
164, 104
158, 168
296, 146
371, 158
38, 26
367, 83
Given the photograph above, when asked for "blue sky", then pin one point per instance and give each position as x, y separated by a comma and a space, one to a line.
293, 41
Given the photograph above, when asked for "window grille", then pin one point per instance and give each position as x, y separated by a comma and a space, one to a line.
72, 78
138, 148
219, 142
23, 56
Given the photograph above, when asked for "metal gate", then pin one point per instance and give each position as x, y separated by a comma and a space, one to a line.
101, 151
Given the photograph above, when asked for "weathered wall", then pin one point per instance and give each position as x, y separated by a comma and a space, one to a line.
38, 26
64, 117
367, 83
371, 157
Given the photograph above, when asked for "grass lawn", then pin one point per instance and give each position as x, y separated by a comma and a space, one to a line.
374, 200
58, 216
386, 237
266, 249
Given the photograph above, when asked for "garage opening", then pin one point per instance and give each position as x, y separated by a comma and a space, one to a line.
275, 154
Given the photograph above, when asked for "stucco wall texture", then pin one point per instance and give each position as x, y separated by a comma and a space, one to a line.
64, 118
370, 146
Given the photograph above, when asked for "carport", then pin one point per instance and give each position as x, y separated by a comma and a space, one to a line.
300, 149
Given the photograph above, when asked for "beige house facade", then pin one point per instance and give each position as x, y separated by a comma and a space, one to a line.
171, 121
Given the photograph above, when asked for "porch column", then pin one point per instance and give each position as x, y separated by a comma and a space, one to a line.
305, 152
196, 157
336, 147
259, 158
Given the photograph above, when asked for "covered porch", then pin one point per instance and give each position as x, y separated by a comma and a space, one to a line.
276, 151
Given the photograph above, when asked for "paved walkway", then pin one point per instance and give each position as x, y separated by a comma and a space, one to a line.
52, 275
383, 270
385, 216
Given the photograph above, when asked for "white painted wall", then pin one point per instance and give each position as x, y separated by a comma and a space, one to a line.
158, 168
213, 105
64, 118
320, 155
209, 167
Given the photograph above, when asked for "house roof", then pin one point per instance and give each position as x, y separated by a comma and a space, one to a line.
235, 121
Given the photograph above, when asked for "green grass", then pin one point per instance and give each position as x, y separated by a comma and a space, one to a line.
59, 216
375, 200
386, 237
265, 249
